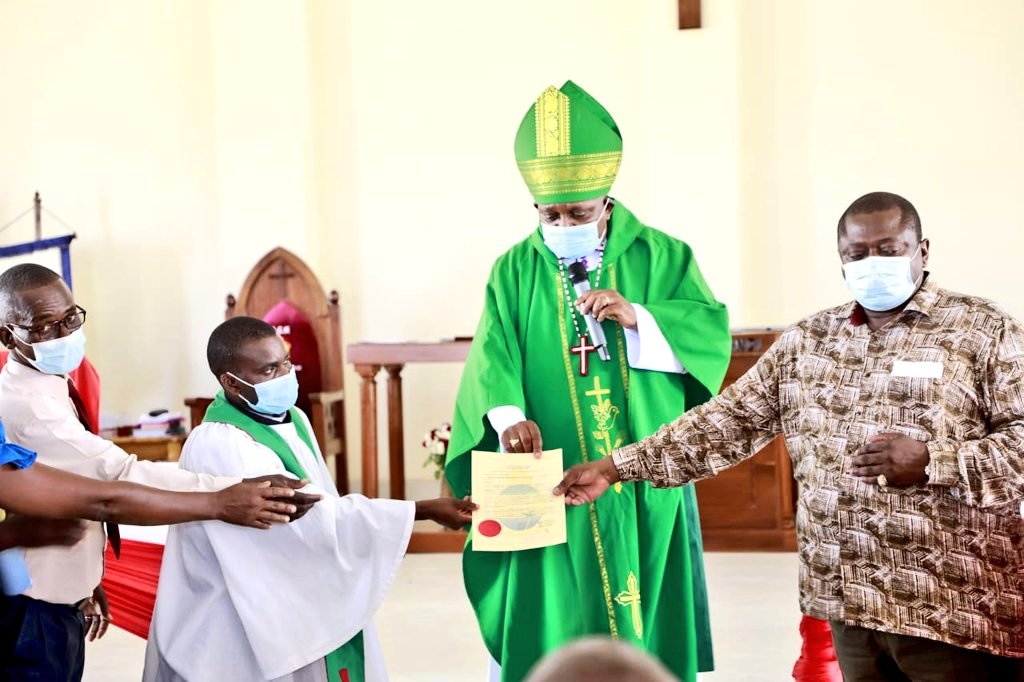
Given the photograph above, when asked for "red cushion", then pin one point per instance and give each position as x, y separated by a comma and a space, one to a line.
298, 335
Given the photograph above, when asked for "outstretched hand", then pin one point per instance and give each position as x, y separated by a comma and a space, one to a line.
449, 512
584, 483
257, 505
302, 502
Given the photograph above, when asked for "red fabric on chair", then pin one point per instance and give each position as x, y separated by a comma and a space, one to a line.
130, 583
817, 662
87, 381
298, 335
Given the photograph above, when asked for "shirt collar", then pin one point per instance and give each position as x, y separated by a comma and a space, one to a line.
54, 384
921, 302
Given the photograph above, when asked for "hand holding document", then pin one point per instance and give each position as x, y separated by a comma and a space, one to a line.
516, 507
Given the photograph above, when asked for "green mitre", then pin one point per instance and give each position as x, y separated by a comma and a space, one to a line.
568, 147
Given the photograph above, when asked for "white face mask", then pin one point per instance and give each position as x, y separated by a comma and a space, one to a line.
881, 283
275, 396
57, 356
573, 241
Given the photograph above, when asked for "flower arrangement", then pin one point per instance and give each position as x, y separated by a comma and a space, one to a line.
436, 444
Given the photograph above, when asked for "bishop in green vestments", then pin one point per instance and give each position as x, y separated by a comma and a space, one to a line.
536, 374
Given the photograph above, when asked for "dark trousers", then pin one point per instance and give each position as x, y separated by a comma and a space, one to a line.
868, 655
40, 642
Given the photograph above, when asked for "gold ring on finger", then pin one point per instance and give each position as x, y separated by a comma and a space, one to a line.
513, 442
882, 480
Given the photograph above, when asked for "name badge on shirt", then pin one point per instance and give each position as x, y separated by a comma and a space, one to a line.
922, 370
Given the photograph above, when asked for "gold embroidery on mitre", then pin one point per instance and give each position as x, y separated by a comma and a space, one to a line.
630, 598
580, 173
551, 118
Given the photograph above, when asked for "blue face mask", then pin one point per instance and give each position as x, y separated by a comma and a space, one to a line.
881, 283
273, 397
57, 356
573, 241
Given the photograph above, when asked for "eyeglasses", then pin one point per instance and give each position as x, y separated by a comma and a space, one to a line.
48, 332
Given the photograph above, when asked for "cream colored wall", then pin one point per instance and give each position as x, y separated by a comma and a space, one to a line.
439, 92
920, 97
185, 139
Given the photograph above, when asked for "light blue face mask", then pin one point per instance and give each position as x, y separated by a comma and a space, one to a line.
881, 283
57, 356
573, 241
273, 397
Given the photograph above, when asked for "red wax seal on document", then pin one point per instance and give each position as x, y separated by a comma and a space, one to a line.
489, 528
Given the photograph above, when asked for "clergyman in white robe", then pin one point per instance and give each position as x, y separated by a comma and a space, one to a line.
244, 604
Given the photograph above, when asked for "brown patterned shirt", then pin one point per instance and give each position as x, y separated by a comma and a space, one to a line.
942, 560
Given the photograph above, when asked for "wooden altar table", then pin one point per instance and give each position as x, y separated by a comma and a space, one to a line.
369, 359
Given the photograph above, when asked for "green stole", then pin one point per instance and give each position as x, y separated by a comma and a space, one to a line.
632, 567
346, 663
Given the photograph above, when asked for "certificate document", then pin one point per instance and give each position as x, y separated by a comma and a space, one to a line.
516, 507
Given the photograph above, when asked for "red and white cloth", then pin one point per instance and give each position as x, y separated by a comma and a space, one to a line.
130, 582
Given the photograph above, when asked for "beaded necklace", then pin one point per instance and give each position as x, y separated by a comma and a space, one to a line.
583, 348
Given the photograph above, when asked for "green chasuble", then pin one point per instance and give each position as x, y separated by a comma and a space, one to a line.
632, 567
346, 663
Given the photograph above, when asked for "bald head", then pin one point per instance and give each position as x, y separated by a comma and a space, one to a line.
18, 280
876, 202
599, 659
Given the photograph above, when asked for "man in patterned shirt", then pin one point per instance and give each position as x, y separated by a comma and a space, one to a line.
903, 412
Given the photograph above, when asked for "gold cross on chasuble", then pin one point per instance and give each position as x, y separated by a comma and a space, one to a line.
630, 597
605, 415
598, 392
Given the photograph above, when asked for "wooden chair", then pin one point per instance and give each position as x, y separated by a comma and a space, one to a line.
281, 284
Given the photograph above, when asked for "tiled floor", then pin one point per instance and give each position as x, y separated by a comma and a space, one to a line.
429, 634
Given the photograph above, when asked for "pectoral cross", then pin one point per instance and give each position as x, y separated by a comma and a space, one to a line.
583, 349
630, 597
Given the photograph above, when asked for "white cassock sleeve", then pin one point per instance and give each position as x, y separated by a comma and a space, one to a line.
646, 346
503, 417
241, 603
